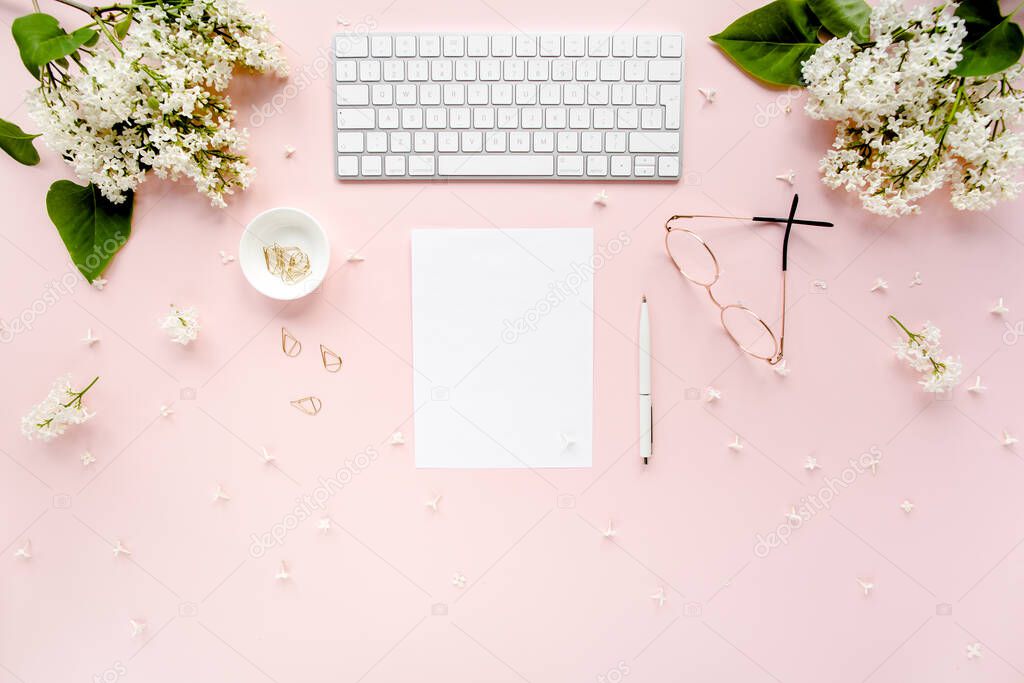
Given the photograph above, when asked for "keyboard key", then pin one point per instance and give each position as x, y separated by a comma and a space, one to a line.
495, 141
350, 142
627, 118
663, 143
550, 46
405, 94
430, 93
372, 165
417, 69
490, 70
643, 167
430, 46
441, 70
634, 70
597, 93
590, 142
550, 93
526, 46
394, 70
437, 117
532, 118
579, 117
369, 70
604, 118
387, 118
622, 45
405, 46
519, 141
575, 46
508, 117
665, 70
622, 93
412, 118
465, 70
668, 167
673, 109
611, 69
472, 141
453, 46
380, 46
382, 94
495, 165
599, 46
621, 165
671, 46
476, 46
345, 70
376, 142
351, 46
543, 141
501, 46
554, 118
650, 117
447, 141
353, 95
501, 93
421, 165
483, 117
561, 70
348, 166
477, 93
597, 165
568, 141
423, 142
459, 117
586, 70
570, 165
394, 165
646, 93
515, 69
401, 142
538, 69
615, 142
352, 119
647, 46
574, 93
526, 93
454, 93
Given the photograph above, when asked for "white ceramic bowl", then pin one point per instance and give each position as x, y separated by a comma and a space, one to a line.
287, 227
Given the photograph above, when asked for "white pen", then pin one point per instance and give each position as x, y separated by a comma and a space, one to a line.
646, 407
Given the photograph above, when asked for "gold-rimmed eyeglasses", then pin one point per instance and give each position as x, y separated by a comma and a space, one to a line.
694, 259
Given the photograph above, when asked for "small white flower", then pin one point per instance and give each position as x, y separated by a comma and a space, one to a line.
709, 94
165, 411
1008, 439
973, 650
120, 549
89, 339
659, 597
609, 531
866, 586
283, 573
916, 281
811, 463
61, 408
267, 457
24, 552
601, 198
789, 177
225, 258
458, 580
923, 352
289, 151
782, 368
99, 283
138, 627
736, 444
999, 308
880, 285
433, 503
711, 394
396, 439
87, 458
182, 325
324, 524
977, 387
354, 256
907, 506
220, 495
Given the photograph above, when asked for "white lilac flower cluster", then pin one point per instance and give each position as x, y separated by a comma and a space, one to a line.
182, 325
153, 100
923, 352
61, 408
906, 125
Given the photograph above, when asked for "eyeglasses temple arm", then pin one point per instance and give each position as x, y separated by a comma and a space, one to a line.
796, 221
785, 264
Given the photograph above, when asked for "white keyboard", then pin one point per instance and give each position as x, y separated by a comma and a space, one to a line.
452, 105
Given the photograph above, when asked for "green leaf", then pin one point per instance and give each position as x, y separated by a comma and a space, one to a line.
93, 228
18, 143
844, 17
993, 43
41, 40
121, 27
773, 41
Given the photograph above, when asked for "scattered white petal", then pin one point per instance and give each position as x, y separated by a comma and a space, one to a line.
355, 256
87, 458
25, 551
165, 411
601, 198
343, 22
324, 524
866, 586
225, 258
289, 151
138, 627
782, 368
1008, 439
458, 580
89, 339
709, 94
711, 394
907, 506
793, 515
659, 597
916, 282
567, 441
736, 445
220, 494
433, 503
282, 572
120, 549
999, 308
880, 285
789, 176
267, 457
977, 387
874, 463
973, 650
397, 439
609, 531
99, 283
811, 463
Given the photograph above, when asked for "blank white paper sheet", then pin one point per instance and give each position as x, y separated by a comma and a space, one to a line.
503, 347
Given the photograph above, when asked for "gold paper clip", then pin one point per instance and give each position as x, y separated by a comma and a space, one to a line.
332, 361
310, 405
289, 344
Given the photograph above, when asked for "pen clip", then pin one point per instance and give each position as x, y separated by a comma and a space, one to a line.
652, 428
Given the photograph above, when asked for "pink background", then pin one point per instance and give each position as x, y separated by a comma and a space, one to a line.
547, 597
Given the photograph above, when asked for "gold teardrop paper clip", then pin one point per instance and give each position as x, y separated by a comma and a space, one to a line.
289, 344
332, 361
310, 405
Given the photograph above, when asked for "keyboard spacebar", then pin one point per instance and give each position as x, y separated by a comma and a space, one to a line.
495, 164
